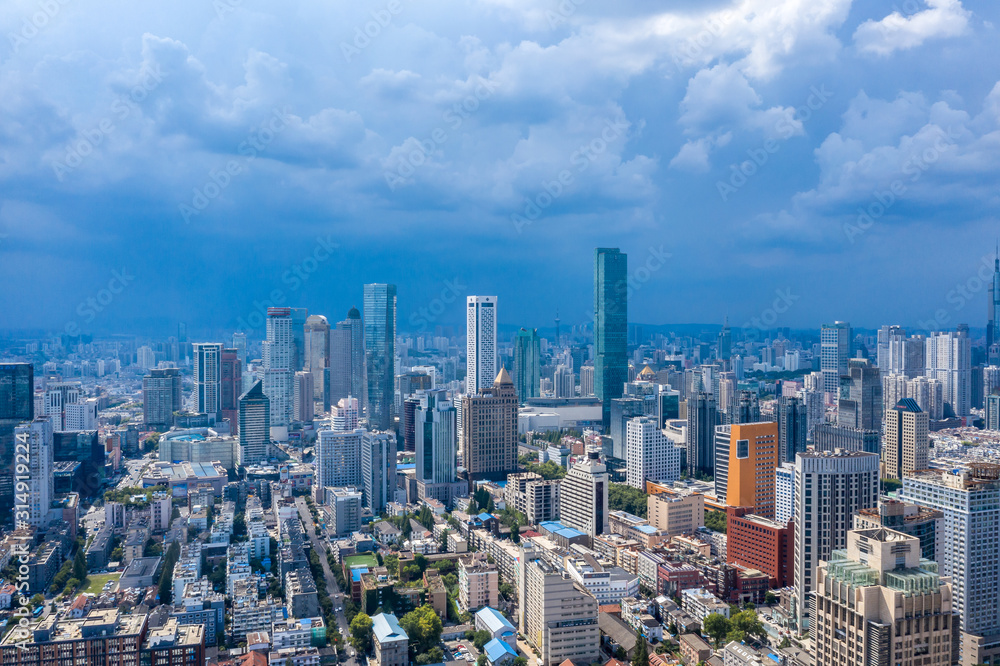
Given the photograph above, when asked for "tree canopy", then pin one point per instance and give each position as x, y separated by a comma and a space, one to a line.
423, 627
622, 497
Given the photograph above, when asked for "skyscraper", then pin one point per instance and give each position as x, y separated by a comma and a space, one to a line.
317, 353
380, 353
489, 432
338, 461
436, 443
649, 454
17, 405
303, 405
862, 408
793, 426
378, 469
970, 501
37, 437
610, 326
905, 446
583, 496
347, 360
835, 349
527, 364
240, 345
701, 422
208, 378
161, 397
255, 425
232, 387
435, 438
829, 489
279, 362
725, 341
993, 306
299, 317
949, 359
866, 597
745, 466
480, 342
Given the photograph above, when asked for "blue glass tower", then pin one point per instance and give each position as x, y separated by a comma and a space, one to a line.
610, 326
380, 353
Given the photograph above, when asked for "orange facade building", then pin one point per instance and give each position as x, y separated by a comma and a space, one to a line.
752, 460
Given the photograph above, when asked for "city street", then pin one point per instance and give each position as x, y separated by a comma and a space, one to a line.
331, 582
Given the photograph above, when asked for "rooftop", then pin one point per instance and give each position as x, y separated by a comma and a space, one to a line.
386, 627
494, 620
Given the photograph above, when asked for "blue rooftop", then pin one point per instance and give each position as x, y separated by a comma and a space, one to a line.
386, 628
403, 468
494, 621
356, 573
484, 517
646, 529
496, 650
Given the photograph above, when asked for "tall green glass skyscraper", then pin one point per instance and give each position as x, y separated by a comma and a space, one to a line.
527, 363
610, 326
380, 353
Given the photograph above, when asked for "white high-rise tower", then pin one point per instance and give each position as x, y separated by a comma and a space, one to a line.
208, 378
480, 343
279, 358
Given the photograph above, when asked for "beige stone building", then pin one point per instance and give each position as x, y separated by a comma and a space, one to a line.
489, 430
558, 616
676, 514
879, 602
905, 445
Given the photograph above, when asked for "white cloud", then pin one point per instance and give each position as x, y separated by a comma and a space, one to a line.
895, 32
718, 102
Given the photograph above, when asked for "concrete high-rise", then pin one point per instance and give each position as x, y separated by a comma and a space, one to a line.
347, 360
480, 342
527, 364
208, 378
949, 359
489, 432
317, 354
161, 397
610, 326
701, 422
232, 387
583, 496
649, 454
970, 502
279, 355
558, 616
378, 469
745, 466
255, 425
338, 461
829, 489
380, 354
303, 405
905, 446
878, 602
32, 506
835, 349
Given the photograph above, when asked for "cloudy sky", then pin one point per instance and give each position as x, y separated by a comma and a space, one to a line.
800, 161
